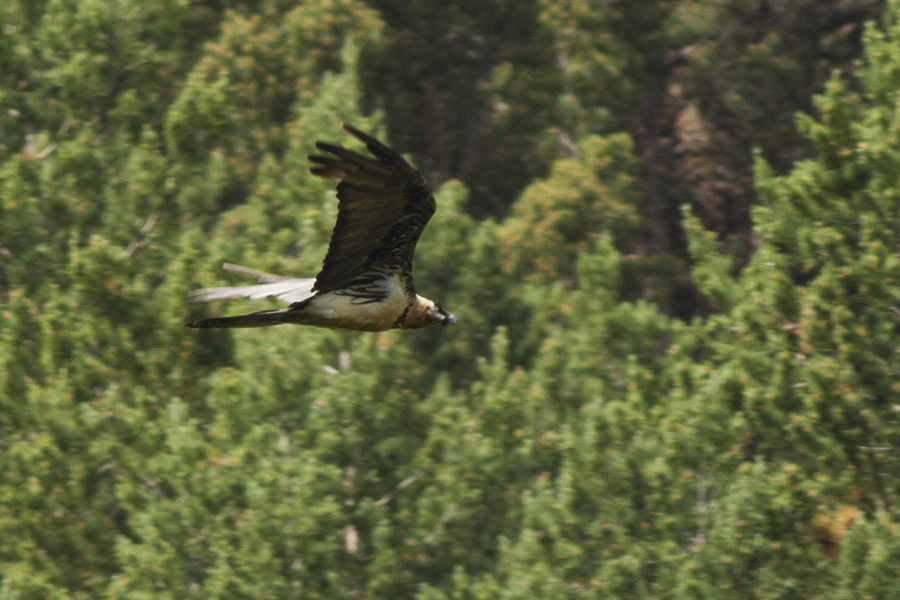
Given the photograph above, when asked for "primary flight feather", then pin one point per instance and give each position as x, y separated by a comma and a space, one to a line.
366, 282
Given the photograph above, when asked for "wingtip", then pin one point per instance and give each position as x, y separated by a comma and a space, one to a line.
362, 135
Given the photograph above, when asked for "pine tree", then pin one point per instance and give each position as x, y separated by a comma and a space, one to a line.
567, 440
805, 353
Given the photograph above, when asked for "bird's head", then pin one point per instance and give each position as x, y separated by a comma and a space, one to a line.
424, 313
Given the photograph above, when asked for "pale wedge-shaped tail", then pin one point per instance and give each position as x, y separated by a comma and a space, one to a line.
272, 286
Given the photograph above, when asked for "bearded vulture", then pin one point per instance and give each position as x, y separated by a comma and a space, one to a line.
366, 281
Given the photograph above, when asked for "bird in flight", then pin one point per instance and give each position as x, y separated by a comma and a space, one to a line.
366, 281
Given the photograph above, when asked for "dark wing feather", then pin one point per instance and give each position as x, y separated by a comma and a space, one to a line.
383, 206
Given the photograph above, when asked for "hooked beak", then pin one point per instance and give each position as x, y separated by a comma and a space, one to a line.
449, 318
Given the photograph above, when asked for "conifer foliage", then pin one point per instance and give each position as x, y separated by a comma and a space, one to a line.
570, 438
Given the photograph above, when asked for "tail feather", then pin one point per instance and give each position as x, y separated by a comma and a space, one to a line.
257, 319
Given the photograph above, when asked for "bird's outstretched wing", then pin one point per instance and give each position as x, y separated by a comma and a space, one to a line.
383, 206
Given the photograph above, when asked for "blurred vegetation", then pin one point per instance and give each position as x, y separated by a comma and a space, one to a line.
677, 369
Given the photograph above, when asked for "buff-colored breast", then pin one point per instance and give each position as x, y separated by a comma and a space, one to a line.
339, 311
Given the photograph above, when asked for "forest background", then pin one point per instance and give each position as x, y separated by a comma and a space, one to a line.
670, 231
